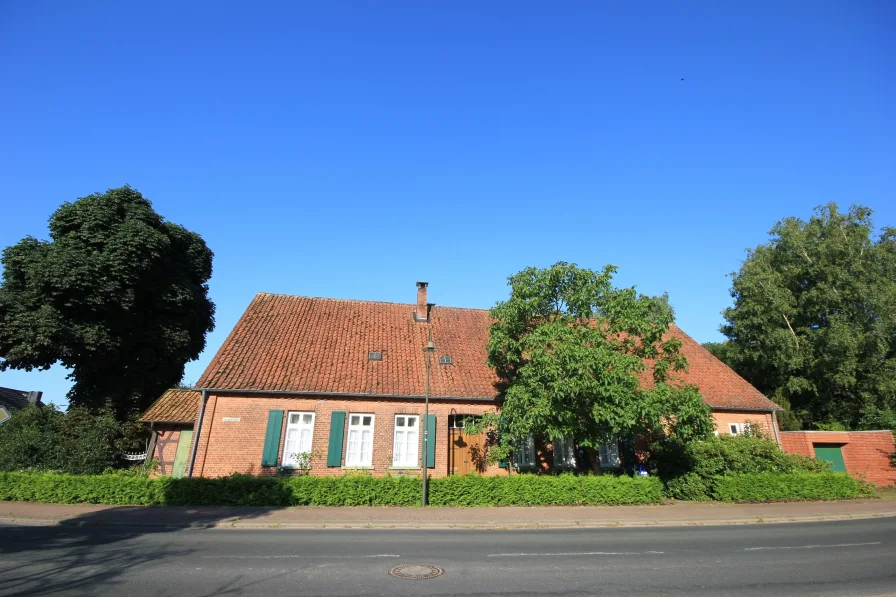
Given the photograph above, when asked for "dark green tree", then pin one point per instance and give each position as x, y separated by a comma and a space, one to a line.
118, 295
813, 324
572, 352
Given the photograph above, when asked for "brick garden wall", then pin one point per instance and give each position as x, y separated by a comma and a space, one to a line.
866, 454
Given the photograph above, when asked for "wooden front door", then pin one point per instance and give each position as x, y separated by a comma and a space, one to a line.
466, 454
183, 453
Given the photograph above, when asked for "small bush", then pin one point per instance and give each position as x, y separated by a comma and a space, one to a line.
686, 469
348, 490
775, 487
78, 442
536, 490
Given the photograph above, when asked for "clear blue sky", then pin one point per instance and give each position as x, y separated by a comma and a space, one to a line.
350, 149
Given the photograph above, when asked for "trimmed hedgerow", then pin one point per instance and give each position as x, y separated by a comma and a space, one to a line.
775, 487
348, 490
534, 490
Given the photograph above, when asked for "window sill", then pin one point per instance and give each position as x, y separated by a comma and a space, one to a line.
405, 468
357, 468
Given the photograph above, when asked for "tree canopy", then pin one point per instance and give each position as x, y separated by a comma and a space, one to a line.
813, 324
118, 295
571, 353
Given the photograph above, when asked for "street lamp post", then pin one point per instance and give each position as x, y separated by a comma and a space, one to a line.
430, 348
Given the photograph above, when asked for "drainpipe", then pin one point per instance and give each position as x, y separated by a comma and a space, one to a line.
197, 432
775, 426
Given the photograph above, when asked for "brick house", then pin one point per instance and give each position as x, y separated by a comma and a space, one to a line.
344, 381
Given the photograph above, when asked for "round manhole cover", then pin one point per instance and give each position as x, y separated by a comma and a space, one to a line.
416, 571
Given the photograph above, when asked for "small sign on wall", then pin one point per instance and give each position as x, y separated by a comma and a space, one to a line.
231, 419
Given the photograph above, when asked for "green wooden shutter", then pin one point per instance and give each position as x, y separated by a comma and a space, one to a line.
831, 453
337, 434
272, 438
431, 442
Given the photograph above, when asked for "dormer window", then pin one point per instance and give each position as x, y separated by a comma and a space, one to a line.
445, 360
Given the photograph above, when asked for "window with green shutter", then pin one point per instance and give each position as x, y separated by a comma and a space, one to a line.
337, 435
272, 438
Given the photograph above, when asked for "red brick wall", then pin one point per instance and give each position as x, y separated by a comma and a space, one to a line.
764, 420
236, 447
866, 454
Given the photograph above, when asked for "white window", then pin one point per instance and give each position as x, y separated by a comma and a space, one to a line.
735, 428
565, 452
524, 453
360, 441
609, 455
299, 432
406, 441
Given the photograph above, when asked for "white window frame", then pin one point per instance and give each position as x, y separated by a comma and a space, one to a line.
524, 454
409, 456
288, 459
735, 429
608, 453
565, 452
357, 457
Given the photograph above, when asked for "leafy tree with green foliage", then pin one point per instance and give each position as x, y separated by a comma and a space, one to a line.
813, 324
78, 442
570, 352
118, 295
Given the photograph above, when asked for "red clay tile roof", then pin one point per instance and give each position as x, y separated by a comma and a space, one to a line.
319, 345
174, 406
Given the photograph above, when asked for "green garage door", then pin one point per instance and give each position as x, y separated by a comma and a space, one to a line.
831, 453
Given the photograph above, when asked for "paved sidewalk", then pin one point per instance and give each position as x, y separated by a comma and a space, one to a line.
672, 514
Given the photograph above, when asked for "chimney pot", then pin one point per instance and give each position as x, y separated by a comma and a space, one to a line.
421, 313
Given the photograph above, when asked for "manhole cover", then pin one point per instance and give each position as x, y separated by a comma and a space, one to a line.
416, 571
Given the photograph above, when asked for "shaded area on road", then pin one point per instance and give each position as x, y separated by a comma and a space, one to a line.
74, 557
837, 558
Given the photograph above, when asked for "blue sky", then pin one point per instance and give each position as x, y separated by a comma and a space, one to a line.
351, 149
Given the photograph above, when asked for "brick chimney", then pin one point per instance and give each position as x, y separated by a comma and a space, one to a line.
421, 313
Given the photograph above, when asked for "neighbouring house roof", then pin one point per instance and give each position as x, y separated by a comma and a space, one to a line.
174, 406
18, 399
317, 345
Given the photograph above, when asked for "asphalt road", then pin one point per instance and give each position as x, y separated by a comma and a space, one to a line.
834, 558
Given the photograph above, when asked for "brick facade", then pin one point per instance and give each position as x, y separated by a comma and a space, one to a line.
866, 454
762, 419
236, 446
233, 432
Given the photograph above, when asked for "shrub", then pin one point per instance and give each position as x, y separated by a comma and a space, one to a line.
685, 469
75, 442
348, 490
537, 490
770, 487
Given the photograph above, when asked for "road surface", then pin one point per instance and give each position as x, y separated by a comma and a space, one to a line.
834, 558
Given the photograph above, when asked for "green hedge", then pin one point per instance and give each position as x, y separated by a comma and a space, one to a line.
533, 490
348, 490
775, 487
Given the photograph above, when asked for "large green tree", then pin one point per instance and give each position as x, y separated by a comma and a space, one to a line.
572, 353
118, 295
813, 324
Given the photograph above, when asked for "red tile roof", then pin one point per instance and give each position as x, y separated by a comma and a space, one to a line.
174, 406
319, 345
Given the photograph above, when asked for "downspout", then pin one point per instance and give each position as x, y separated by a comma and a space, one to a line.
197, 432
775, 427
